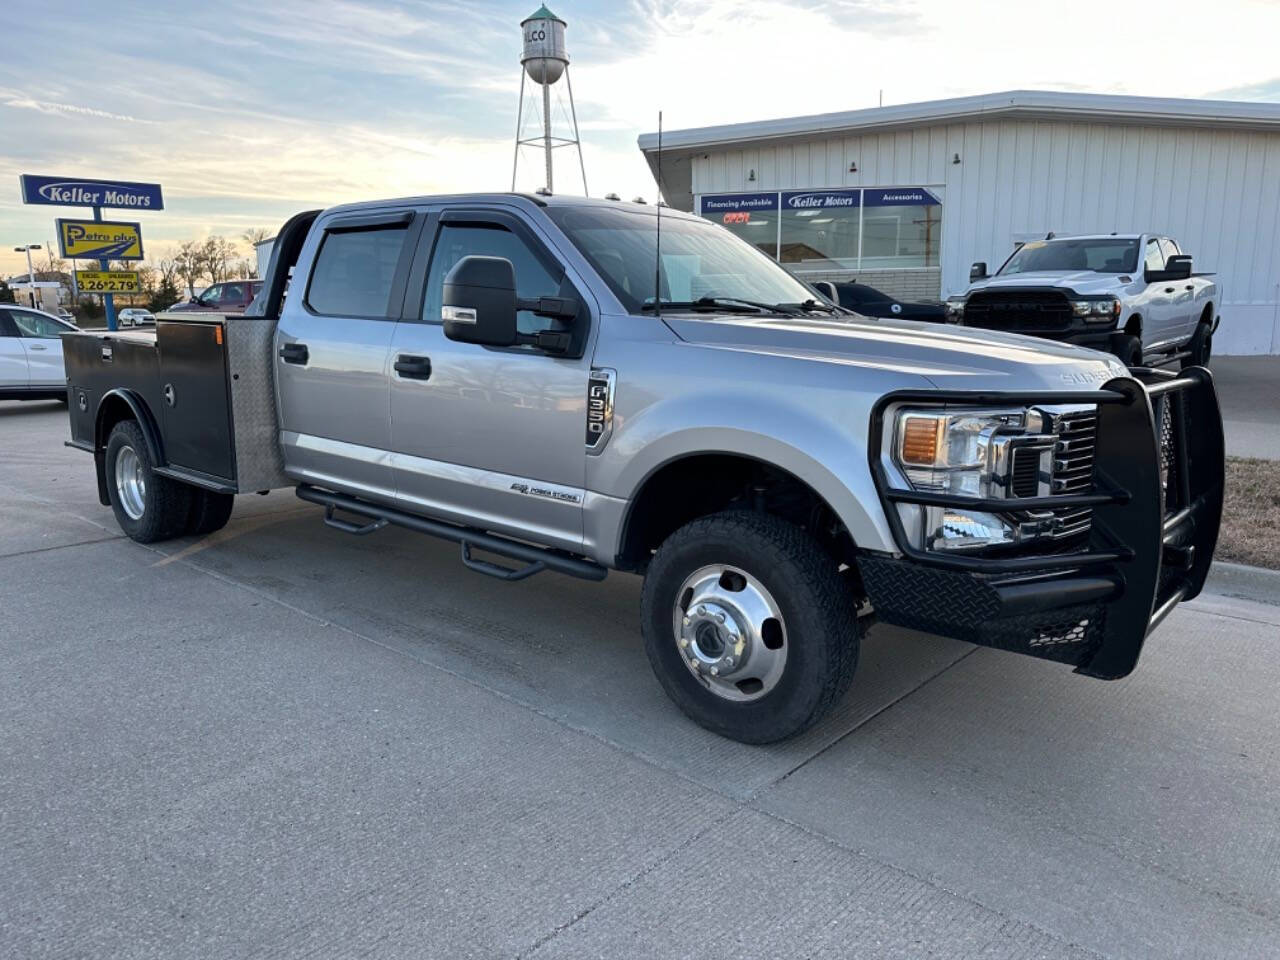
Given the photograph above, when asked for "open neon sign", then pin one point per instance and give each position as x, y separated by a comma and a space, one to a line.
739, 216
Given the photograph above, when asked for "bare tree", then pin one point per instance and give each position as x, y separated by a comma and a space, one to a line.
217, 254
255, 235
167, 268
49, 267
189, 265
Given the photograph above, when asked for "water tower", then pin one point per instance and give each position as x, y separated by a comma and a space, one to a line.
544, 60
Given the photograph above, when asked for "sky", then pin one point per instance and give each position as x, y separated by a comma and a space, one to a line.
246, 111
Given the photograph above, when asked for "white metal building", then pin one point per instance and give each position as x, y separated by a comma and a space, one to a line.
906, 197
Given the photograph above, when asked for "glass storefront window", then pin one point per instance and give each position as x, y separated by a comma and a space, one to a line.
820, 229
751, 216
826, 230
901, 227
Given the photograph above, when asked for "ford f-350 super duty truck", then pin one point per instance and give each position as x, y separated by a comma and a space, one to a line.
1132, 295
528, 377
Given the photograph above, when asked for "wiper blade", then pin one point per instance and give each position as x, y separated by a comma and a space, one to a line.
808, 306
717, 303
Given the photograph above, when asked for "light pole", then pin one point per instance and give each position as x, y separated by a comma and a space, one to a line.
31, 274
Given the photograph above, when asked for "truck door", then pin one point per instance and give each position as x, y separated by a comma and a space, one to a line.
332, 350
481, 435
1156, 303
13, 358
1183, 313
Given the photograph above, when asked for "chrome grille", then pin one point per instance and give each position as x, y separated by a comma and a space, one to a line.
1073, 448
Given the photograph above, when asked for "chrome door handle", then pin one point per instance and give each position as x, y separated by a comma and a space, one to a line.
37, 346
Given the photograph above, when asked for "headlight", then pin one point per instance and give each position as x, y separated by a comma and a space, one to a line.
1096, 311
966, 453
951, 452
955, 308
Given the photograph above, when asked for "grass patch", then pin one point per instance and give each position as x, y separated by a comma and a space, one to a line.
1250, 530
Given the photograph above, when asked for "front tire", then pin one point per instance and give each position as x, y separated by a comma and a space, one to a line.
748, 626
148, 507
1129, 350
1200, 347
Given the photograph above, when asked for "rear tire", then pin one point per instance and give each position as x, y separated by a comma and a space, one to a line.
1200, 347
148, 507
759, 600
1129, 351
210, 511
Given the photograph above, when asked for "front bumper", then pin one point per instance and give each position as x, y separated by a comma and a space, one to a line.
1157, 503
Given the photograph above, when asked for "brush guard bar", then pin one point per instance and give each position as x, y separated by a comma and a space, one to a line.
1157, 504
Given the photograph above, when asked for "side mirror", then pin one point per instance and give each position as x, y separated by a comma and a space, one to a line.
827, 289
479, 302
194, 300
978, 271
1178, 267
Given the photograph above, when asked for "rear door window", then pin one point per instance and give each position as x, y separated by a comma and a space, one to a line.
38, 326
354, 272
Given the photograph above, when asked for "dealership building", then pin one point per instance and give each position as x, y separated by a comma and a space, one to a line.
905, 198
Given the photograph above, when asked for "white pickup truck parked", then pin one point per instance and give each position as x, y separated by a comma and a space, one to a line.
1132, 295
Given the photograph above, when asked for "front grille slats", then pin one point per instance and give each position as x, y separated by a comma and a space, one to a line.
1071, 466
1019, 311
1073, 452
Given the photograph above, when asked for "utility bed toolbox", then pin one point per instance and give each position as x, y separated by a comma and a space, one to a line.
203, 384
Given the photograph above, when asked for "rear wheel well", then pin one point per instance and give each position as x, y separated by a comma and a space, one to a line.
1206, 315
114, 409
699, 485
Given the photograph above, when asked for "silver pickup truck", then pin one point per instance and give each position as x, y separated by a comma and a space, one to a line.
529, 378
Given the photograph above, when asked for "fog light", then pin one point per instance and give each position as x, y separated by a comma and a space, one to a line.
950, 528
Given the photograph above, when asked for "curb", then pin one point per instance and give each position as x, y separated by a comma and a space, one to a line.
1244, 582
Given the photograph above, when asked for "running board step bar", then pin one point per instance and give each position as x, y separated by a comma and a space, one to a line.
536, 559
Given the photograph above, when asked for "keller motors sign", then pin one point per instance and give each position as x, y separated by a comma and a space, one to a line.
78, 192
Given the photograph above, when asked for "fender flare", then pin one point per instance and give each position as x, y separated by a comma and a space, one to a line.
146, 423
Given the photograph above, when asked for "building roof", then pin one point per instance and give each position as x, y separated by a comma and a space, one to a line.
1030, 104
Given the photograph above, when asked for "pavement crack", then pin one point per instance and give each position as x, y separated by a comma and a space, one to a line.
59, 546
631, 881
925, 681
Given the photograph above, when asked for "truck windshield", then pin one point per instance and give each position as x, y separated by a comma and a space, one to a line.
701, 262
1101, 255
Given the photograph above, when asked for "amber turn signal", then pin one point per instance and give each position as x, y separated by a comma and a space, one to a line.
920, 440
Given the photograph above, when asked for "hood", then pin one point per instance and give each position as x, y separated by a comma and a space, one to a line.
959, 358
1080, 281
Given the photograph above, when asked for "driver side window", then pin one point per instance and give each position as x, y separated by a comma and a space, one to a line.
1154, 259
213, 296
458, 240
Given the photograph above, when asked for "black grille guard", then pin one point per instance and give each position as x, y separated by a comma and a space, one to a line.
1156, 510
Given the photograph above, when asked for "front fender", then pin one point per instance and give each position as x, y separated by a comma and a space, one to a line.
830, 458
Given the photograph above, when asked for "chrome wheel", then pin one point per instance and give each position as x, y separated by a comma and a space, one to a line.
131, 486
730, 632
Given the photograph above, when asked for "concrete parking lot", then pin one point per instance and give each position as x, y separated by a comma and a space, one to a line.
282, 741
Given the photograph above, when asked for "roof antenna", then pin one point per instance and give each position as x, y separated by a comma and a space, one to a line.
657, 257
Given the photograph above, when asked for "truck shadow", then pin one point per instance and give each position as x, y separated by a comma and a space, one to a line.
566, 648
